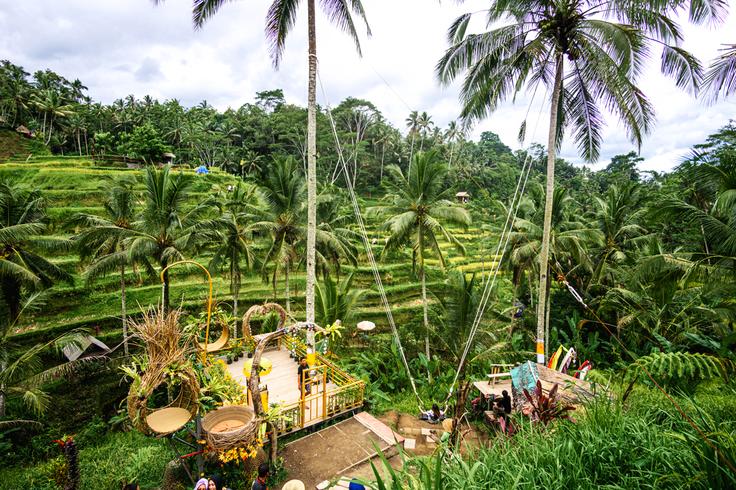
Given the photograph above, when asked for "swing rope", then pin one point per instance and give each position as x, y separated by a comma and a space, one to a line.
368, 249
488, 287
501, 247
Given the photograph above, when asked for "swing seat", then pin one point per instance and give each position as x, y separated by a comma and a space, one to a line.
168, 420
218, 344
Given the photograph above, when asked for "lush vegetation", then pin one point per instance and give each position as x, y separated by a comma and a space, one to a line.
637, 274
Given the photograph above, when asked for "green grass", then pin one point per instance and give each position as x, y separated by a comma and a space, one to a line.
646, 445
117, 457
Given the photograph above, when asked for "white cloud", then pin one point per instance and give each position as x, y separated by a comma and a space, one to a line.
118, 48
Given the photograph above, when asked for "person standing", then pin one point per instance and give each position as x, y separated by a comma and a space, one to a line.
303, 376
260, 482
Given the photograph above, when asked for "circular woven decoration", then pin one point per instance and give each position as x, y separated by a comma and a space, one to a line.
230, 427
262, 310
139, 393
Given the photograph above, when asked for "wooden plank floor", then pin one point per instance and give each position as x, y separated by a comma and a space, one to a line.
281, 381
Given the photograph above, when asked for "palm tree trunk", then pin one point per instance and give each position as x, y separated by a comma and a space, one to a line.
423, 279
79, 143
123, 310
165, 301
383, 155
288, 295
311, 162
544, 255
3, 367
546, 317
425, 313
452, 148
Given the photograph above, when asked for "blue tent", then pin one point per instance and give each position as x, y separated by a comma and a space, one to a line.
202, 170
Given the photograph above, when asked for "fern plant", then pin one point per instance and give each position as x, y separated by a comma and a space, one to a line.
680, 369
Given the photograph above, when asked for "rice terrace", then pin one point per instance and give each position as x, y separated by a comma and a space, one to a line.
331, 244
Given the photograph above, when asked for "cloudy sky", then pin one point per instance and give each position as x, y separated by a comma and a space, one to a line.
121, 47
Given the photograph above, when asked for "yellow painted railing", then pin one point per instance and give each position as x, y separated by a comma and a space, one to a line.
348, 394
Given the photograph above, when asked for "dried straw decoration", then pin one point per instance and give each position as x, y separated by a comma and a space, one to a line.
166, 353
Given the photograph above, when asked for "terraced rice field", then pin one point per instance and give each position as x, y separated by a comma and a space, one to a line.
73, 185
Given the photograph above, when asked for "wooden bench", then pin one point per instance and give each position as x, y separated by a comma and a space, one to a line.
494, 376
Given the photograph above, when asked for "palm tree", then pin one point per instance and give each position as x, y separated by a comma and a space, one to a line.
604, 59
720, 79
417, 214
280, 20
337, 300
569, 243
618, 217
454, 135
424, 124
459, 298
164, 230
22, 265
51, 104
412, 122
103, 242
231, 234
282, 220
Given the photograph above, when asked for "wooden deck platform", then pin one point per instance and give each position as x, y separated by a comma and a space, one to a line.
326, 400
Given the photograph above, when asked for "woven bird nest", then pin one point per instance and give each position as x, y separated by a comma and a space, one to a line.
166, 365
262, 310
230, 427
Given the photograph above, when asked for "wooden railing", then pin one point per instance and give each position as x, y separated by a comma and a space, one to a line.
324, 403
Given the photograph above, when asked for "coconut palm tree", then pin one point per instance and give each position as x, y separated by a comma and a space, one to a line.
284, 190
459, 298
720, 79
424, 125
570, 240
103, 241
23, 266
280, 20
454, 134
584, 58
164, 230
618, 216
283, 220
51, 104
418, 212
231, 234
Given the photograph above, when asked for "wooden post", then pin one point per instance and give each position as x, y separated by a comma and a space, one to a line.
324, 392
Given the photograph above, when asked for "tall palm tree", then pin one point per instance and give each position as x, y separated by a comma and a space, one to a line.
418, 213
284, 190
720, 79
424, 125
454, 134
280, 20
23, 266
231, 234
585, 60
164, 230
412, 123
53, 106
569, 243
103, 241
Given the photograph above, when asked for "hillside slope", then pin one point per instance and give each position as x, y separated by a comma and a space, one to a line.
73, 185
14, 146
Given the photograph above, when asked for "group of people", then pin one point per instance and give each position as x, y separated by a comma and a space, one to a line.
215, 482
212, 483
